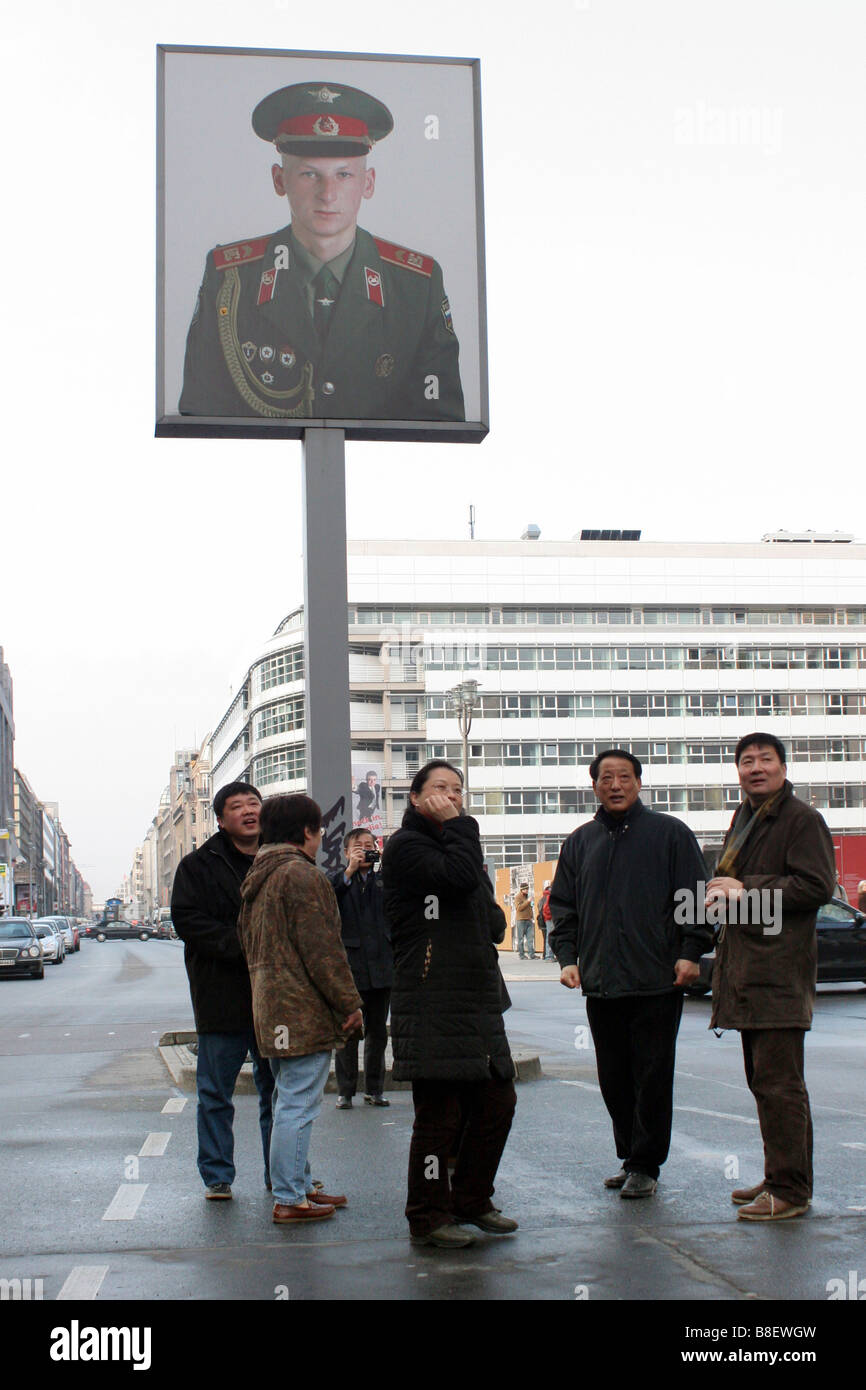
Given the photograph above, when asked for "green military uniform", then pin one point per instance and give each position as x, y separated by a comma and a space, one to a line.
390, 351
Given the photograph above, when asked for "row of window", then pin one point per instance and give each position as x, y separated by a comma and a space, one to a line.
479, 657
279, 670
635, 705
283, 765
625, 615
570, 801
567, 753
281, 718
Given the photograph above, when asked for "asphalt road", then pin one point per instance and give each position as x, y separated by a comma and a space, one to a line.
101, 1196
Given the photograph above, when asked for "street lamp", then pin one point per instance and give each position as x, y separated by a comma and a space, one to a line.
462, 701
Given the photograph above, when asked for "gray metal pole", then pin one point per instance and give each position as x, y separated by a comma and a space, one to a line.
326, 646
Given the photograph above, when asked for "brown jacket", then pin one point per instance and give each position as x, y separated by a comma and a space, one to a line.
767, 979
289, 930
522, 906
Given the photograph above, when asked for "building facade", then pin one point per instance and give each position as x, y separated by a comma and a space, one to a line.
670, 650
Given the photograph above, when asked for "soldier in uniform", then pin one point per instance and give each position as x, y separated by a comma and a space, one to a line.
321, 319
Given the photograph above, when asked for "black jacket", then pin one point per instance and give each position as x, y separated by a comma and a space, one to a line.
448, 996
366, 935
205, 905
613, 907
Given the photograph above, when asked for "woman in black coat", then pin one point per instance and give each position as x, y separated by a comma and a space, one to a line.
447, 1002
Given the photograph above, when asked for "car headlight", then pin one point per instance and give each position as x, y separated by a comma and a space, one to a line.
30, 951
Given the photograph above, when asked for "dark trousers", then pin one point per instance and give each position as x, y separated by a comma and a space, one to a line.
484, 1110
374, 1005
220, 1058
774, 1064
635, 1047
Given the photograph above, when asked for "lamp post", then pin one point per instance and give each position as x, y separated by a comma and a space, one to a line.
462, 701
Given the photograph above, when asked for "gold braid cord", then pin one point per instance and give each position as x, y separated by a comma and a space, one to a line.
242, 377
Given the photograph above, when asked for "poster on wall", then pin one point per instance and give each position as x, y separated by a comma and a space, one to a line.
367, 796
320, 256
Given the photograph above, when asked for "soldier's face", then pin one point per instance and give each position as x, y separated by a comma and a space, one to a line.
324, 194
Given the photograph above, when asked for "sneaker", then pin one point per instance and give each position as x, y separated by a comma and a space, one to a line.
766, 1207
448, 1237
344, 1102
376, 1100
638, 1185
219, 1192
618, 1179
493, 1222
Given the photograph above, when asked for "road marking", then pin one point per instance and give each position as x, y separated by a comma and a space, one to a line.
85, 1281
857, 1208
154, 1145
125, 1202
852, 1146
584, 1085
112, 1033
24, 1035
719, 1114
174, 1105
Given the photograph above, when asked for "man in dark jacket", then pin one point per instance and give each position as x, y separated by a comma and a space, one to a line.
367, 944
447, 1029
205, 905
777, 868
625, 885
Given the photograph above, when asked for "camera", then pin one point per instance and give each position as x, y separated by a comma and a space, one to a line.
371, 856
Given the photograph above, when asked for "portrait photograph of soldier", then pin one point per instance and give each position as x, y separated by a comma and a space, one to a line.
338, 313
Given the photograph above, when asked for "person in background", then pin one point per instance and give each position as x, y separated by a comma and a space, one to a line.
524, 924
367, 943
544, 919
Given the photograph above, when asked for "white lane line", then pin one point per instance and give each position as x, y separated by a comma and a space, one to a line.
852, 1146
584, 1085
24, 1035
154, 1145
85, 1281
174, 1105
719, 1114
125, 1202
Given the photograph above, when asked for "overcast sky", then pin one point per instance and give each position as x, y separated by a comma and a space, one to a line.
675, 220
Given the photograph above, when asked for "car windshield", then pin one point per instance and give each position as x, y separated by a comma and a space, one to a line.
44, 931
13, 930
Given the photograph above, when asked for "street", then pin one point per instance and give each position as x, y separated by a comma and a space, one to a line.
102, 1198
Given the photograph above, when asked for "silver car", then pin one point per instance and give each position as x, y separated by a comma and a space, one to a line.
51, 940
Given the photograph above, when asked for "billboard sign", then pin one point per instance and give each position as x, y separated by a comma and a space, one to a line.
320, 245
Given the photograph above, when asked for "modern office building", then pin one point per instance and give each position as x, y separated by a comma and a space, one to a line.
672, 650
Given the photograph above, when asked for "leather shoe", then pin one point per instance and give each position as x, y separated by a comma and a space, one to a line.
493, 1222
766, 1207
741, 1195
344, 1102
376, 1100
638, 1185
618, 1179
219, 1192
323, 1199
447, 1237
284, 1214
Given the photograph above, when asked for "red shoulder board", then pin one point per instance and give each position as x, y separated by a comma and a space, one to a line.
240, 252
401, 255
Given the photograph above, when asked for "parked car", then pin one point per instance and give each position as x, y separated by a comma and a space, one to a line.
116, 931
841, 948
20, 948
51, 939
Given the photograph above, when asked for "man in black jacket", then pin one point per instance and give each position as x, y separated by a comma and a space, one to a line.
367, 943
447, 1003
624, 902
205, 905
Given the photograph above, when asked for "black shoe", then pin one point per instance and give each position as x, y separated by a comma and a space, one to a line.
219, 1192
376, 1100
638, 1185
618, 1179
344, 1102
446, 1237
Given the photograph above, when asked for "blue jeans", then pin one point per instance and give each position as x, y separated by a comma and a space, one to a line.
220, 1058
297, 1102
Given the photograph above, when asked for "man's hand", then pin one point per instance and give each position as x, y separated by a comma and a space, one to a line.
722, 888
685, 972
438, 806
355, 858
570, 977
354, 1022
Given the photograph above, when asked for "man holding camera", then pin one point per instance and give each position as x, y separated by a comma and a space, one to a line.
367, 943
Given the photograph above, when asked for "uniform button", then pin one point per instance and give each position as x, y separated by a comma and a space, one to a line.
328, 388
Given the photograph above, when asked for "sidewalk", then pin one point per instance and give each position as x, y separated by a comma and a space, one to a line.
516, 970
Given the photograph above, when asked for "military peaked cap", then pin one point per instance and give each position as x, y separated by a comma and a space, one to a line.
322, 119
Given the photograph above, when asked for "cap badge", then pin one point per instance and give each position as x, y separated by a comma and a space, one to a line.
324, 94
326, 125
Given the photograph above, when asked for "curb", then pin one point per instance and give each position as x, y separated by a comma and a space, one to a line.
180, 1061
